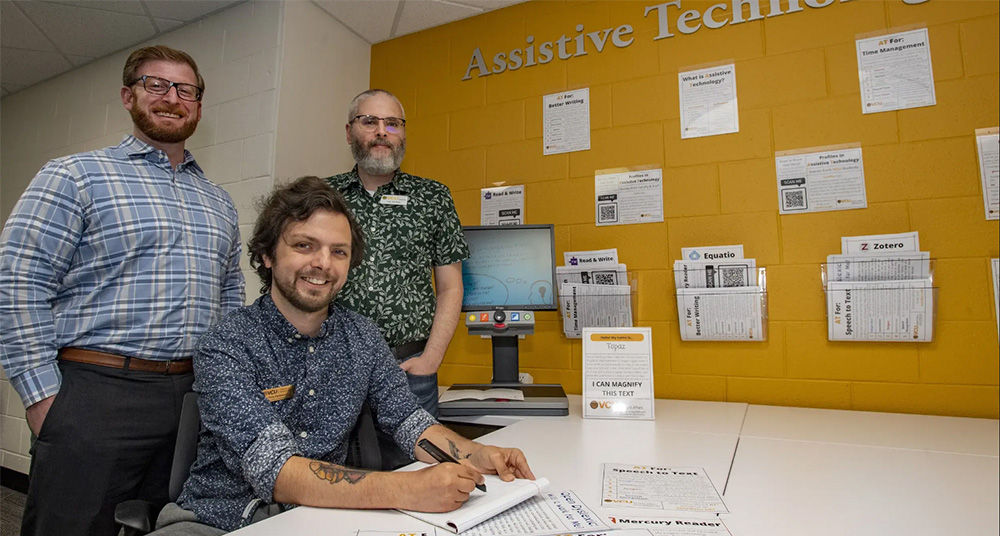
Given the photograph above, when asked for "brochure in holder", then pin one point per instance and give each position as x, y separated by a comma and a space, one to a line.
721, 311
881, 299
597, 304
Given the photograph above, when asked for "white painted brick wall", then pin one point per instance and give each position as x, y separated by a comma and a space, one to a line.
238, 53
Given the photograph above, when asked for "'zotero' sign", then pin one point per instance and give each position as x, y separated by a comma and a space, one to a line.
686, 22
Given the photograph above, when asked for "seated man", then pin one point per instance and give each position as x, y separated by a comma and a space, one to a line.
282, 382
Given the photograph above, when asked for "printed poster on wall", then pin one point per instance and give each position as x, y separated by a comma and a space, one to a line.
708, 102
624, 197
989, 170
502, 205
566, 122
895, 71
618, 373
817, 180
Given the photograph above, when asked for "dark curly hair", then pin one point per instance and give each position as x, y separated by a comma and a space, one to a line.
296, 201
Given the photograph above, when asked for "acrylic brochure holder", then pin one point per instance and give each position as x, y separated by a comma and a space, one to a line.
597, 306
724, 313
880, 300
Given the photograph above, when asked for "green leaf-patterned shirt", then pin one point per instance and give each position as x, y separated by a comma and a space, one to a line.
392, 286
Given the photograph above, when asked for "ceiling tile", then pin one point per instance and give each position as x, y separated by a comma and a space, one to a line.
420, 15
118, 6
87, 32
165, 25
17, 31
187, 10
27, 67
78, 60
487, 5
371, 19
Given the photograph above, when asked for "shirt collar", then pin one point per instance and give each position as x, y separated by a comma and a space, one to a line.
133, 146
402, 182
283, 328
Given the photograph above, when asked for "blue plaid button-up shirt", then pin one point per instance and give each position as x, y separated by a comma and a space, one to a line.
115, 251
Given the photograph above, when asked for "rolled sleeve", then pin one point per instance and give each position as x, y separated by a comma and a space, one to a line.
409, 431
266, 456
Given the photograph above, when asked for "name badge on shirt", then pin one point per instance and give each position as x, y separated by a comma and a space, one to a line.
275, 394
394, 200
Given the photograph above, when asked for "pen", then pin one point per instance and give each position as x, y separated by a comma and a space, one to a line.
442, 457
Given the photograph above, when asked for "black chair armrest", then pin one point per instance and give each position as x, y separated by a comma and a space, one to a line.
135, 516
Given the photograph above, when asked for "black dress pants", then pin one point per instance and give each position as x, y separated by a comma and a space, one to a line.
108, 437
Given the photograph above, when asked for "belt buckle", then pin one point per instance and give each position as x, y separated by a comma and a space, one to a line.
166, 368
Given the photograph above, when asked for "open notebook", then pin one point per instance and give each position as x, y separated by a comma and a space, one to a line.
482, 506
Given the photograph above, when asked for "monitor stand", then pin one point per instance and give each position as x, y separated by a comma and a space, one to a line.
539, 399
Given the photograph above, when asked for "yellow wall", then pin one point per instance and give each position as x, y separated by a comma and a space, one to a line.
797, 86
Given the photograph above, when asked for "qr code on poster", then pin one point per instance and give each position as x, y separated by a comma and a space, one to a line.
794, 198
734, 276
604, 278
607, 213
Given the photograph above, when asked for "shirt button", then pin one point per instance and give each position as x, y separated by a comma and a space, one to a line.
312, 349
371, 288
298, 335
312, 392
303, 435
290, 339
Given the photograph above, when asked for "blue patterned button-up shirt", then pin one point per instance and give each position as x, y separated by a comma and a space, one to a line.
246, 437
115, 251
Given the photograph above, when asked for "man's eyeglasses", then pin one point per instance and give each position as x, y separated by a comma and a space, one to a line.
393, 125
161, 86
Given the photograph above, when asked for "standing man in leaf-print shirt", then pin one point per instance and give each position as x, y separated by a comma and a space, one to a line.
412, 230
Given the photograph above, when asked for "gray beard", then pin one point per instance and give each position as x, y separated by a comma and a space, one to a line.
374, 165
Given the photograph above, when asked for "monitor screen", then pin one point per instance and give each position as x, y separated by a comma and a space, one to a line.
510, 267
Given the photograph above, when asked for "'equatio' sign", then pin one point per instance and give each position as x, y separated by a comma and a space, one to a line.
686, 22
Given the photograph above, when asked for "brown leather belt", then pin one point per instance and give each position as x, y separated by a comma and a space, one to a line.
92, 357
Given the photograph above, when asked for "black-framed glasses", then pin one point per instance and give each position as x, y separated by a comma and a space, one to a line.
160, 86
393, 125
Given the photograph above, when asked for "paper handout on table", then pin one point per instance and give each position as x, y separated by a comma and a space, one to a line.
669, 526
720, 314
593, 275
481, 394
900, 310
881, 243
481, 505
596, 257
542, 515
608, 306
891, 266
679, 489
713, 274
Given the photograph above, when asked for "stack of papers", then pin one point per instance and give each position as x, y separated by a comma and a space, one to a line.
719, 296
593, 291
880, 288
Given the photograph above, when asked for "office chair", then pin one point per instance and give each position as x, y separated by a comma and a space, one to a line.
137, 517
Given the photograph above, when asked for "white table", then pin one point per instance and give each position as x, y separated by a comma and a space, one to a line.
781, 487
785, 471
569, 452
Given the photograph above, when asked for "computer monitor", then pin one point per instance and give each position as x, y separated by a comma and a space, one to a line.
510, 274
510, 267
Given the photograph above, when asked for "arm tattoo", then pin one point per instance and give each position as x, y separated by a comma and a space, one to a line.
455, 453
335, 473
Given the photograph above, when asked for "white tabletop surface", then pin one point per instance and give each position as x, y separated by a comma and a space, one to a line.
924, 432
793, 488
568, 451
784, 471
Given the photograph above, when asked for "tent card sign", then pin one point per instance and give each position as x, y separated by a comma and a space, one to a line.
618, 373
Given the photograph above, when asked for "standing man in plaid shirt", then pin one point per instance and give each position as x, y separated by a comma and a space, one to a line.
112, 264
